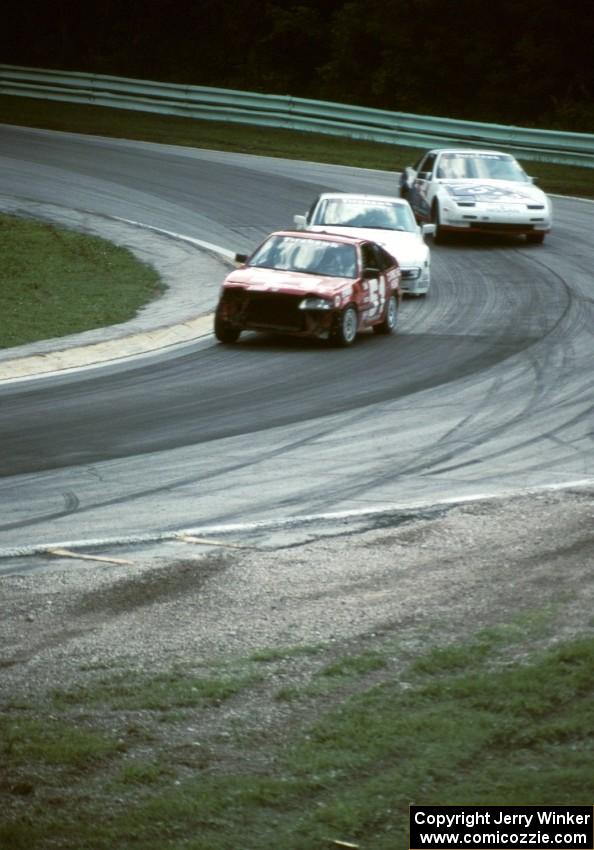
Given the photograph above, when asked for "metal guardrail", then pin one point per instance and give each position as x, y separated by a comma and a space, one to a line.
285, 112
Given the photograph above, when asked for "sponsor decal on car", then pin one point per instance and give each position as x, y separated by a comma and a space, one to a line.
486, 192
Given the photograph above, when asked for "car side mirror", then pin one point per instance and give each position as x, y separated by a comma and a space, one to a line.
428, 229
370, 273
300, 221
241, 258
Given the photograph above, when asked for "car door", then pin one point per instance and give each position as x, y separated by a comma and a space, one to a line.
374, 290
420, 192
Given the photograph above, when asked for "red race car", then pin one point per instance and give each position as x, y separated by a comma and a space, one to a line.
311, 284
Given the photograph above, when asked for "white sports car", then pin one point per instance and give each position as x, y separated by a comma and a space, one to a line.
386, 220
476, 191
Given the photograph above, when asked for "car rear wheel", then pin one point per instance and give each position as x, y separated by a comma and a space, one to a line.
387, 325
346, 328
224, 330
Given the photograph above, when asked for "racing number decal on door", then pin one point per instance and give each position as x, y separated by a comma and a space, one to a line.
374, 288
377, 297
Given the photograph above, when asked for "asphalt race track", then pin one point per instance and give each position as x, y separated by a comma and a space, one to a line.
486, 389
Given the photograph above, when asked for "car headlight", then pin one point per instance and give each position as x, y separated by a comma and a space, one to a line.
410, 274
313, 303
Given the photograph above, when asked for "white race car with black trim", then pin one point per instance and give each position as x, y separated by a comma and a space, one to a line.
386, 220
474, 191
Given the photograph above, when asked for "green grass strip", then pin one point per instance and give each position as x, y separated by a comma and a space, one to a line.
477, 730
55, 282
159, 692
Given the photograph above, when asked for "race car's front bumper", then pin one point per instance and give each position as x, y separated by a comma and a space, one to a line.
494, 218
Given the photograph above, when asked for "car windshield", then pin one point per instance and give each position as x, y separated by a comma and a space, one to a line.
312, 256
352, 212
487, 166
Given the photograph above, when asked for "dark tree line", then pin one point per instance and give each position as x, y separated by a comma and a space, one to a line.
527, 62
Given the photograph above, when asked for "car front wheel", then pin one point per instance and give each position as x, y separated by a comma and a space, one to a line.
346, 328
388, 323
537, 238
224, 330
439, 235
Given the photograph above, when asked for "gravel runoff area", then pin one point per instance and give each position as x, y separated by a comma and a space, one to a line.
428, 581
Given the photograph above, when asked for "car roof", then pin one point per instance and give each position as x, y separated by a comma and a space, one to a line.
360, 196
326, 236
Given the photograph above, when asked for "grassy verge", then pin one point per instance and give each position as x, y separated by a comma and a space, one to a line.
172, 130
158, 762
55, 282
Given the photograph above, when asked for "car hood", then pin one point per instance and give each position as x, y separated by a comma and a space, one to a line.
290, 283
407, 248
494, 191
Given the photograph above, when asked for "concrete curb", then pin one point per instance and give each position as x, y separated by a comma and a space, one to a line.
100, 353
